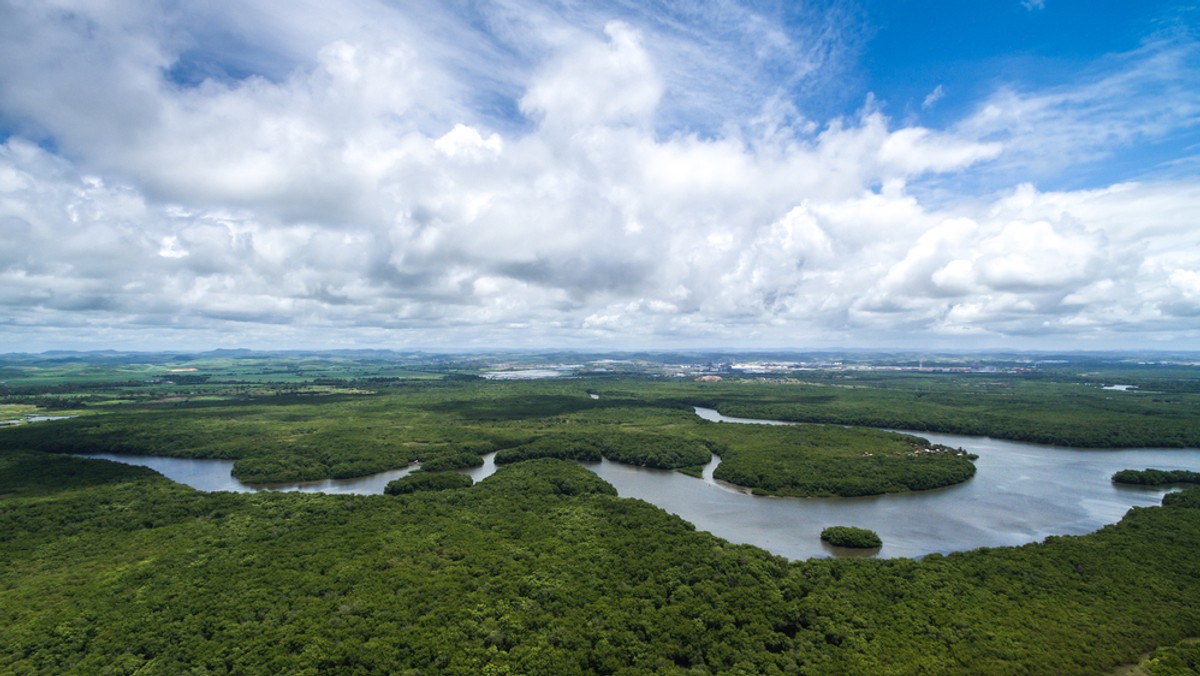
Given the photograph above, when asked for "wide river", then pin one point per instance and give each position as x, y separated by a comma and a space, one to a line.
1021, 493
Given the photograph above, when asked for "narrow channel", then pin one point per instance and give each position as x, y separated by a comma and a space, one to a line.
1021, 493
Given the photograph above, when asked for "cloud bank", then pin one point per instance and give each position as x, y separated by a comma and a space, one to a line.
534, 174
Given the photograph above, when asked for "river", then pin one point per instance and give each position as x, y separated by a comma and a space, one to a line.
216, 475
1021, 493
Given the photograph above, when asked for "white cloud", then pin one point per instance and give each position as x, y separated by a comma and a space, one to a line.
358, 191
914, 151
938, 93
1135, 98
464, 141
593, 82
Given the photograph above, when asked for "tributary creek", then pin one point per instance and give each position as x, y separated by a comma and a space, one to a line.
1020, 493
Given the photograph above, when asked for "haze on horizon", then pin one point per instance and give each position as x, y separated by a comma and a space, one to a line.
1022, 174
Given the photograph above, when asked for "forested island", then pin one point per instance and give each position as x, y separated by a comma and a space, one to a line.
1156, 477
541, 567
852, 537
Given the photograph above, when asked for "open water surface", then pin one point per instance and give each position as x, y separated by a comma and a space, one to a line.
215, 475
1020, 493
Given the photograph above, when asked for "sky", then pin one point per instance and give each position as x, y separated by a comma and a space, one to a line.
1019, 174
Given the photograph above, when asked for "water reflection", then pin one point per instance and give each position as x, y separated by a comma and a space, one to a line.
1021, 493
215, 475
484, 471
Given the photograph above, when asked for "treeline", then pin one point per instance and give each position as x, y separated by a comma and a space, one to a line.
538, 569
635, 448
1156, 477
271, 441
845, 477
448, 459
656, 450
1049, 408
581, 447
1039, 408
428, 481
1050, 422
1188, 498
449, 424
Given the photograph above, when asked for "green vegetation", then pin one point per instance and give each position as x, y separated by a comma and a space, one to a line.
541, 568
451, 460
1156, 477
538, 569
655, 450
283, 437
634, 448
549, 476
1188, 498
849, 536
569, 446
1181, 659
428, 481
808, 460
306, 418
16, 411
1062, 406
297, 417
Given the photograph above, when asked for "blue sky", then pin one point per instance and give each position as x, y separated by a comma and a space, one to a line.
517, 173
970, 49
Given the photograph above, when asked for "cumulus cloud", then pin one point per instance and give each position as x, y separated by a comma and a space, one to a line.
393, 176
607, 83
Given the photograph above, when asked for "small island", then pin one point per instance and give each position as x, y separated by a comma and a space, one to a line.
851, 537
1156, 477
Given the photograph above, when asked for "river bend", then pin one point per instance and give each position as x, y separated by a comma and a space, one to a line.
1020, 493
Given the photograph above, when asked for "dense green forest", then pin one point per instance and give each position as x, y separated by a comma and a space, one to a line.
812, 460
1027, 409
428, 481
450, 423
307, 417
542, 568
579, 446
1060, 399
106, 568
1182, 659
